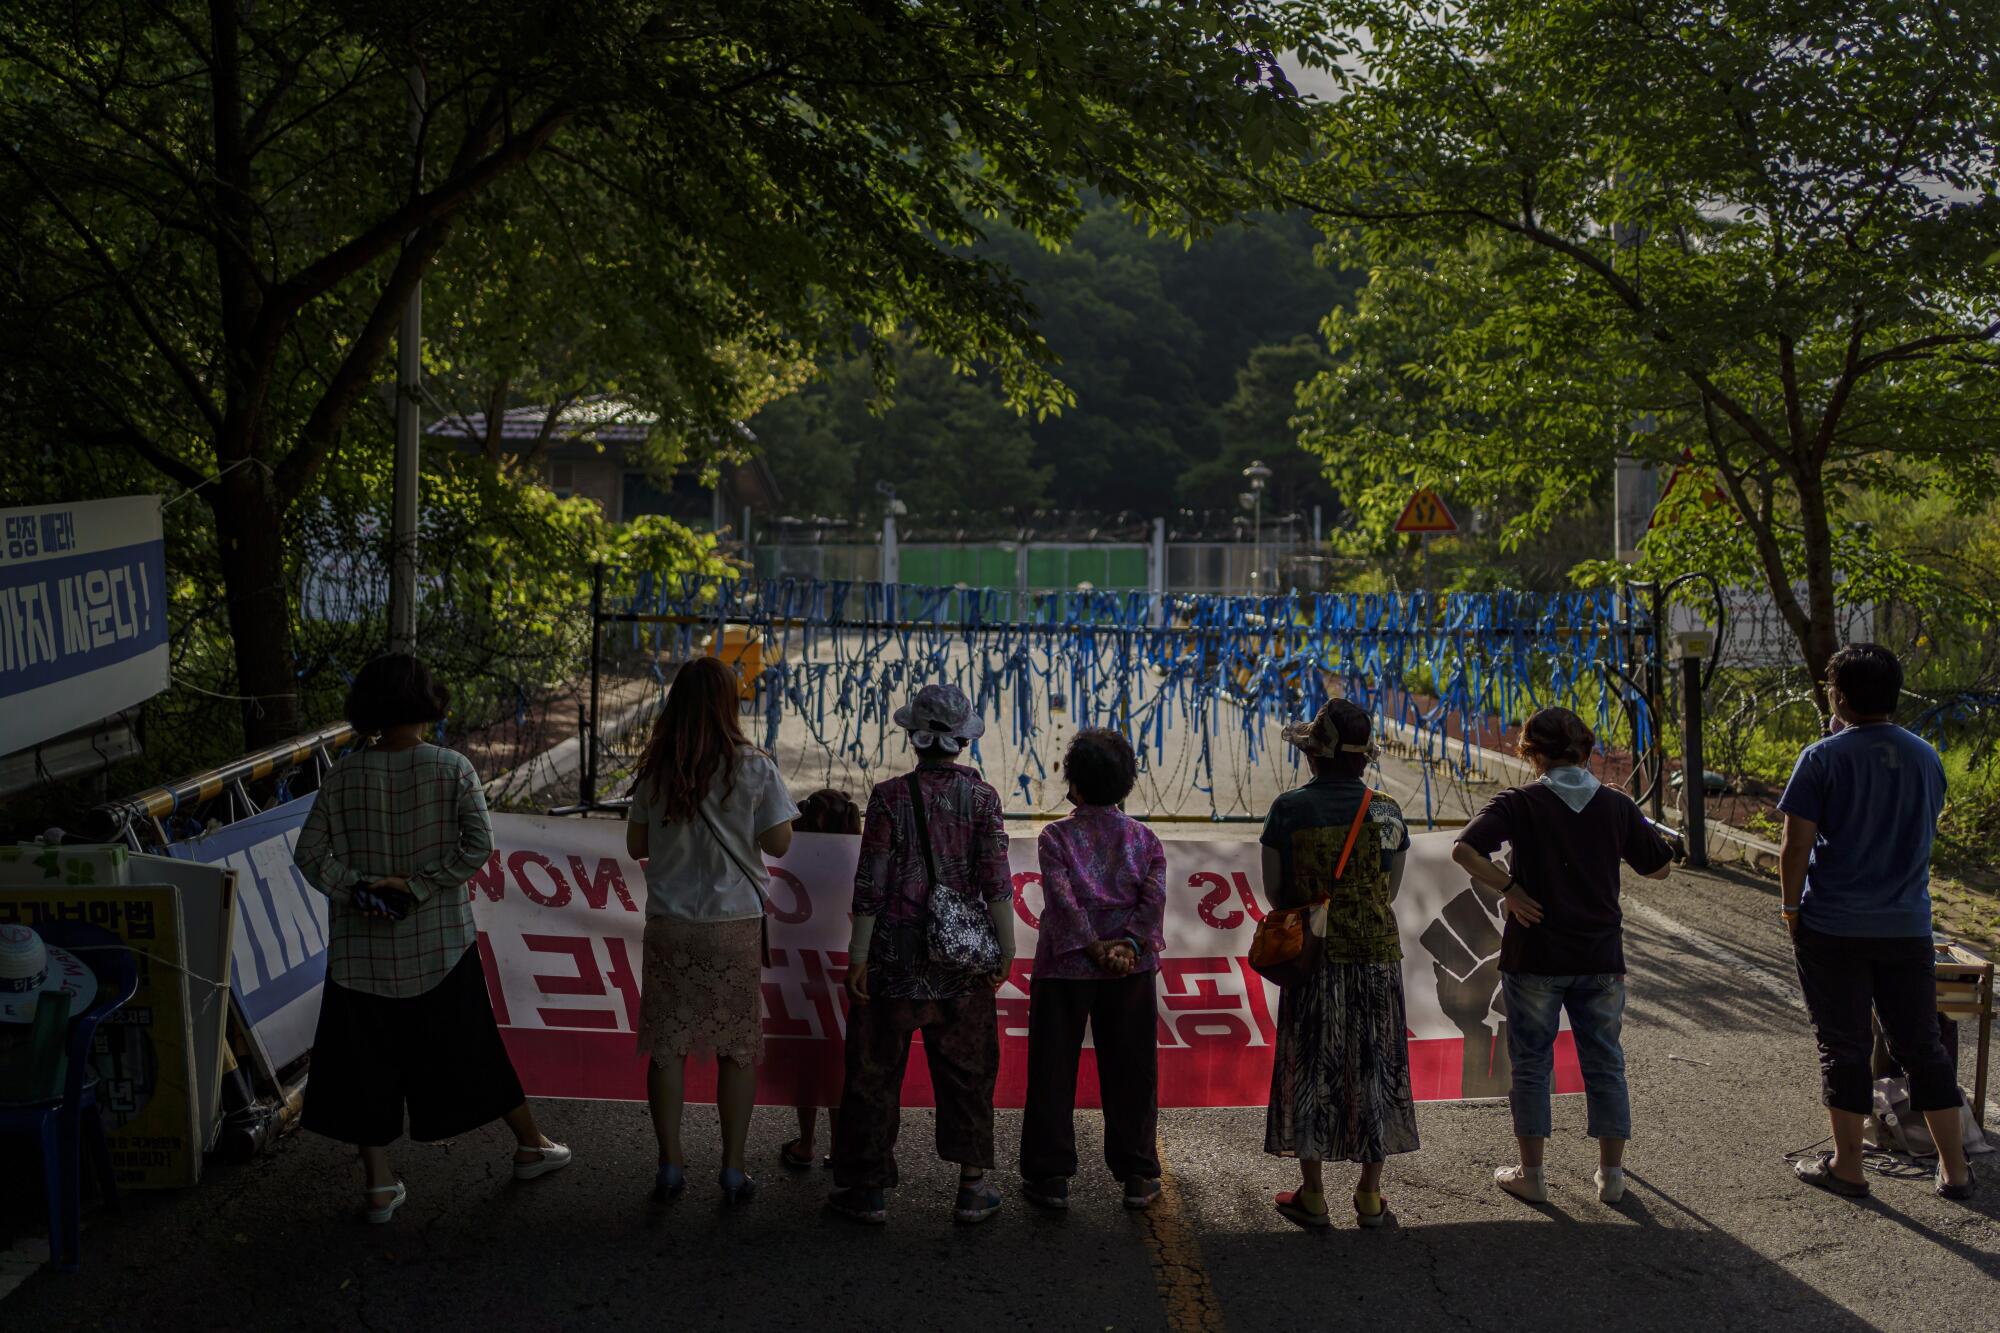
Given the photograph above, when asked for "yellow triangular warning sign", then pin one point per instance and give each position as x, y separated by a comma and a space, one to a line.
1674, 504
1426, 513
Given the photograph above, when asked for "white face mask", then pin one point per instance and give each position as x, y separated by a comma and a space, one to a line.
1575, 784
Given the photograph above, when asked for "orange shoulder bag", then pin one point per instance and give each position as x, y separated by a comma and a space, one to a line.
1289, 942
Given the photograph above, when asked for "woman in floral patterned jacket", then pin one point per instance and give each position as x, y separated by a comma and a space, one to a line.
1104, 905
895, 981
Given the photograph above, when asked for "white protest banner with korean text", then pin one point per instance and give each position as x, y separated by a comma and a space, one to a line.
561, 911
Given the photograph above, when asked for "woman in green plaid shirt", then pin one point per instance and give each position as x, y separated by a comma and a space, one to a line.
395, 833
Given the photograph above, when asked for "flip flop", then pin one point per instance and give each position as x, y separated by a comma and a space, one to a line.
793, 1158
1965, 1191
1378, 1218
1293, 1211
1817, 1171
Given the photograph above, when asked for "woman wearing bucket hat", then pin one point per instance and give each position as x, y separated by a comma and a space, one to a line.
405, 1024
1340, 1069
933, 938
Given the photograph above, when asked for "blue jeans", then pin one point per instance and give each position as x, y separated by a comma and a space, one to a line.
1596, 1006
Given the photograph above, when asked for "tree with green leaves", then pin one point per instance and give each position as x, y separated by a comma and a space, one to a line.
214, 214
1181, 362
1256, 426
1756, 236
947, 442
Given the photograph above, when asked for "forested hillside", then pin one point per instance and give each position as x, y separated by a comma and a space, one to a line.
1182, 361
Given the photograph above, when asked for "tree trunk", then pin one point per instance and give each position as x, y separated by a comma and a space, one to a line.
1821, 638
251, 552
496, 414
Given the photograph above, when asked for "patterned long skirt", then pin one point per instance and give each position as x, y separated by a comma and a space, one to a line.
1340, 1074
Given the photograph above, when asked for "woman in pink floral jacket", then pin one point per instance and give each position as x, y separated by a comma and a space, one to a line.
1104, 886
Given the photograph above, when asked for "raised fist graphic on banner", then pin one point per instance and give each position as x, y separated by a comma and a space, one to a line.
1464, 944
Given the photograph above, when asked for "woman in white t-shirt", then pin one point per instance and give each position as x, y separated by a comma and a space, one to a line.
707, 806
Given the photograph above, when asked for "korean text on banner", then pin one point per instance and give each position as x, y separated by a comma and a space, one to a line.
561, 913
277, 963
144, 1056
208, 909
83, 614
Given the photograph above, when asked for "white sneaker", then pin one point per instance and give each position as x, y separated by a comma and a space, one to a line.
1610, 1184
554, 1157
1522, 1183
385, 1209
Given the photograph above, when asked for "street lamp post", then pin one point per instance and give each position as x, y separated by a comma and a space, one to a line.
892, 554
407, 467
1258, 475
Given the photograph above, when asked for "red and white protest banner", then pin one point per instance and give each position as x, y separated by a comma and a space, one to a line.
561, 911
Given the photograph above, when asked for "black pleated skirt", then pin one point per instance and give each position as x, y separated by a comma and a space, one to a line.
438, 1054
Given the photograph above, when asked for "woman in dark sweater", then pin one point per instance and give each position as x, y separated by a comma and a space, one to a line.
1563, 949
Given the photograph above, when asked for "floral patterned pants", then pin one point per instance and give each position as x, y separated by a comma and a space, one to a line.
962, 1047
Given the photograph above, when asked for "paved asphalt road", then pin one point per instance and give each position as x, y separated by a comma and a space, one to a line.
1714, 1235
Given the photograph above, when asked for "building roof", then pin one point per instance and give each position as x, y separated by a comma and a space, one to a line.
590, 423
598, 417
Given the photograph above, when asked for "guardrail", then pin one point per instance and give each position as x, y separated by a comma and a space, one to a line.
137, 819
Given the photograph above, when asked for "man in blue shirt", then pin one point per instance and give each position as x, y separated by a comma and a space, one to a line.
1860, 812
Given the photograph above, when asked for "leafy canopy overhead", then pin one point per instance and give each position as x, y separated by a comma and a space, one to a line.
1756, 235
212, 220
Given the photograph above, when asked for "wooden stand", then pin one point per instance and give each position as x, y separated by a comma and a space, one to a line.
1965, 990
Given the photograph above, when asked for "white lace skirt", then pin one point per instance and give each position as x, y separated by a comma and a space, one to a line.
699, 989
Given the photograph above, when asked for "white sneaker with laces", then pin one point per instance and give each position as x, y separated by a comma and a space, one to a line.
1610, 1184
553, 1157
1522, 1183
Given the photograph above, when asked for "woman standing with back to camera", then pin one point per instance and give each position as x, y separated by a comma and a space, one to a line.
395, 833
1340, 1065
707, 806
931, 939
1563, 949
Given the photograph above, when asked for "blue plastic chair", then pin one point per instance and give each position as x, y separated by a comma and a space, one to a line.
65, 1123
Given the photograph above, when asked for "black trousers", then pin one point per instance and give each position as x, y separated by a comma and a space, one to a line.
1843, 978
439, 1054
1124, 1023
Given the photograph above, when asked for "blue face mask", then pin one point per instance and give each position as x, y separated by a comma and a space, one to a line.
1576, 785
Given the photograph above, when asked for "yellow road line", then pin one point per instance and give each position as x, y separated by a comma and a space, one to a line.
1186, 1295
